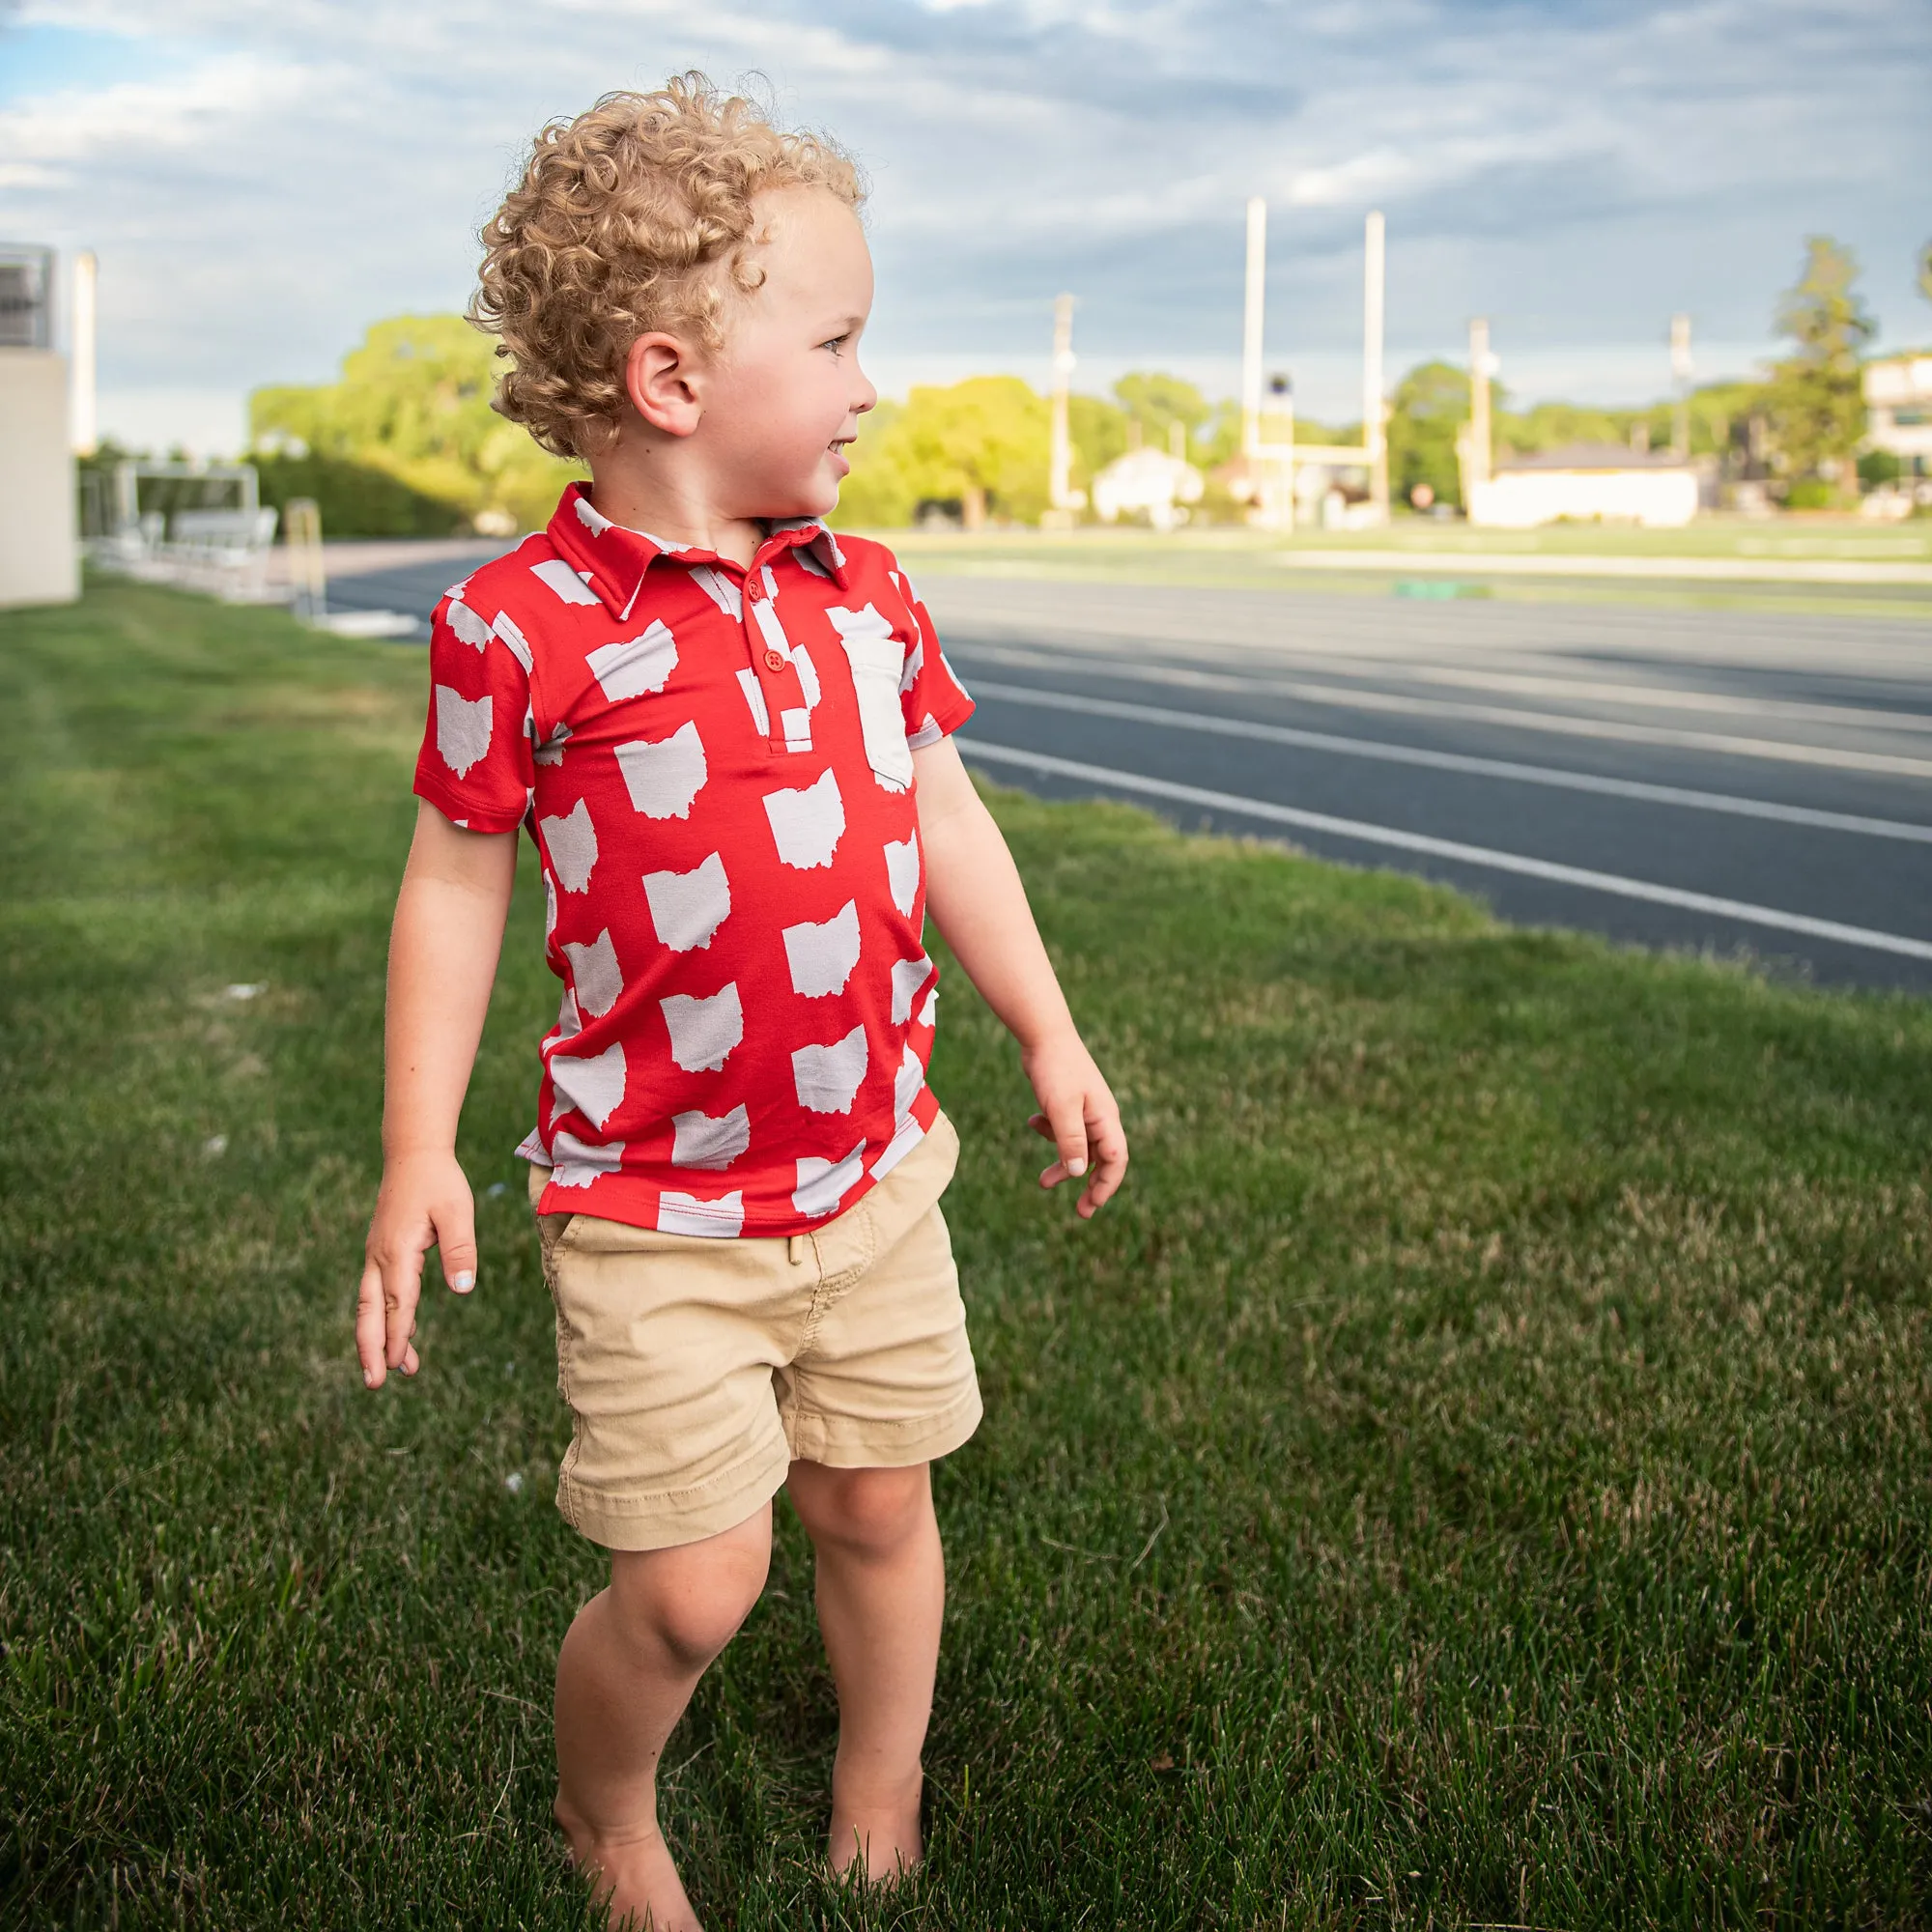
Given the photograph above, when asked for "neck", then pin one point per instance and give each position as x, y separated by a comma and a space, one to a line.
658, 486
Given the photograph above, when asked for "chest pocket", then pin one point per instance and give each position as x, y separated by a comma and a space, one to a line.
878, 661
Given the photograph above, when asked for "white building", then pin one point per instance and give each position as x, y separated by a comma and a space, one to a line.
39, 558
1149, 481
1587, 483
1898, 409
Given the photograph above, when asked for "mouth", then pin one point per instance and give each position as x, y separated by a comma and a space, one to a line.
836, 449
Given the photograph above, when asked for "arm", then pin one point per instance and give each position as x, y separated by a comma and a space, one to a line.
442, 961
974, 893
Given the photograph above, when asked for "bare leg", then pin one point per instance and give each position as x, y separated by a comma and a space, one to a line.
881, 1596
629, 1665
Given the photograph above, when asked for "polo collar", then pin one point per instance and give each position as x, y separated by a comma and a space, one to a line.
614, 561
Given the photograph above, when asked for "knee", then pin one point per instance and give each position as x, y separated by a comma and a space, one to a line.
868, 1513
688, 1601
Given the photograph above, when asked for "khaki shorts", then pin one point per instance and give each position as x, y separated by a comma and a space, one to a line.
697, 1370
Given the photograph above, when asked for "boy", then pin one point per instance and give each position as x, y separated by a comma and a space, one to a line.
728, 733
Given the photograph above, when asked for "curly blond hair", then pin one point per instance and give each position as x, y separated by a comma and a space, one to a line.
635, 216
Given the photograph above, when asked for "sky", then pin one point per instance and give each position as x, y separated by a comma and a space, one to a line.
260, 183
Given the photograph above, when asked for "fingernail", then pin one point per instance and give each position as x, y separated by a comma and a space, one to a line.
464, 1282
1076, 1168
368, 1381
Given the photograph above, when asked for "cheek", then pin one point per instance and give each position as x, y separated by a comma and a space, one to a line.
814, 410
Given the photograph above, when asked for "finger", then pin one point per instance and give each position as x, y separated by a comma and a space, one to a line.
369, 1325
456, 1241
1040, 1125
412, 1361
402, 1288
1109, 1153
1069, 1121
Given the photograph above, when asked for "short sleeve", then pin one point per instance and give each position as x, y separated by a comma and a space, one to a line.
476, 764
934, 701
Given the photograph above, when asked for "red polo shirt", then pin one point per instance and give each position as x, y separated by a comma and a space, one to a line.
716, 765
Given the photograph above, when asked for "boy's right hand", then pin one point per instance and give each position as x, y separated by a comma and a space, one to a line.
425, 1203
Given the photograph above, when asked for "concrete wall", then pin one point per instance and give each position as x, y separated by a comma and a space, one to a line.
1520, 499
38, 560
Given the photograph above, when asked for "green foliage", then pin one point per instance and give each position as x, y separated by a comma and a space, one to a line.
1720, 413
1157, 402
983, 443
1877, 467
356, 499
414, 402
1814, 401
1474, 1472
1219, 439
1098, 433
1430, 405
1555, 425
991, 434
1925, 271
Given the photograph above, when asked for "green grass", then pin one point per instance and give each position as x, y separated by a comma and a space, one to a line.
1476, 1472
1258, 560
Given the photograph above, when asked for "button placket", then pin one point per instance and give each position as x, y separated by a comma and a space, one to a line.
769, 653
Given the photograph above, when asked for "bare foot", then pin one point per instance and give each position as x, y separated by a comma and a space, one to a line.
634, 1879
882, 1842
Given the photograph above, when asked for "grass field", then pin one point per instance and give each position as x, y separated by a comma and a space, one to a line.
1477, 1472
1416, 551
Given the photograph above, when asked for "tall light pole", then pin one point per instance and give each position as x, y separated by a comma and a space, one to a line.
1375, 442
1059, 459
1480, 364
1251, 328
1680, 373
83, 417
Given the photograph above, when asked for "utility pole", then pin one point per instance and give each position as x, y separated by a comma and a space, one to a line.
1060, 461
1680, 371
1251, 328
1479, 400
1375, 442
83, 416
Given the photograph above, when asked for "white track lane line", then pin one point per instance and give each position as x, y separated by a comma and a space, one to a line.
1350, 698
1456, 761
1447, 848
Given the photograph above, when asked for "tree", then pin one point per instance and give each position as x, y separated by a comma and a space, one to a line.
1925, 271
981, 444
414, 402
1156, 401
1429, 403
1098, 432
1815, 402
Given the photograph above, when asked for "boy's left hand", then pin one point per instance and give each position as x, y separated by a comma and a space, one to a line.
1080, 1116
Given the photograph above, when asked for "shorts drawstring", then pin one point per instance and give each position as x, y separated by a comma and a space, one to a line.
795, 1249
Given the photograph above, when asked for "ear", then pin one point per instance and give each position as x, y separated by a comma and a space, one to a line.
664, 383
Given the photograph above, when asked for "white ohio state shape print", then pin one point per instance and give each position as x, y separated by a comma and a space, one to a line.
663, 775
687, 908
808, 824
828, 1078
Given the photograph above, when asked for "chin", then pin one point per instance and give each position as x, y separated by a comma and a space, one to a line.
815, 500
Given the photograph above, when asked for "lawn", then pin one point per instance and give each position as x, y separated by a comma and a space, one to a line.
1415, 555
1476, 1474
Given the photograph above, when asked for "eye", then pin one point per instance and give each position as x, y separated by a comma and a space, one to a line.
836, 343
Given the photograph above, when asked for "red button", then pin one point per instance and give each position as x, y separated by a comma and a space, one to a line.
773, 662
757, 586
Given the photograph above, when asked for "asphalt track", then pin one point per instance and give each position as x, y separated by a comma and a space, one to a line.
1743, 783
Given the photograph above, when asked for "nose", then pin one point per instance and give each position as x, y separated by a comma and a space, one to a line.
868, 396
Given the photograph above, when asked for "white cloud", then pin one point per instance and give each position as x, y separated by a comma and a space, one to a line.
117, 124
285, 176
